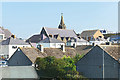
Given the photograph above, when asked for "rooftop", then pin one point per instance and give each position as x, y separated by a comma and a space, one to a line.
34, 39
50, 40
6, 32
19, 72
13, 41
88, 33
113, 50
33, 53
61, 32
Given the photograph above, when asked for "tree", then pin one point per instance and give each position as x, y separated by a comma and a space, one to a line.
60, 68
77, 57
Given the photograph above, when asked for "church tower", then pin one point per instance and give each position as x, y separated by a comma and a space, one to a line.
62, 25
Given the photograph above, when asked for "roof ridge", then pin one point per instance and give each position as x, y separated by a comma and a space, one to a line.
92, 30
57, 28
108, 52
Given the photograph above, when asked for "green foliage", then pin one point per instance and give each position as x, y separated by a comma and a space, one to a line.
77, 57
59, 68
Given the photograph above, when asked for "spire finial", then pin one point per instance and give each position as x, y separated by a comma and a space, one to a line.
62, 25
61, 14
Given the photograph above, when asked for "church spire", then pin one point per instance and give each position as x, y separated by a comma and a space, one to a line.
62, 25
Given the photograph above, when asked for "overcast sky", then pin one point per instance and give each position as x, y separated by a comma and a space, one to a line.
27, 18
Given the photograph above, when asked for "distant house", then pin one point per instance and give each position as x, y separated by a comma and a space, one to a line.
60, 33
104, 31
10, 45
51, 43
91, 65
1, 34
19, 73
95, 37
91, 35
63, 33
33, 40
115, 38
77, 42
25, 57
4, 33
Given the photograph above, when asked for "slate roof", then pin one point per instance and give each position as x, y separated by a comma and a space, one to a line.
13, 41
6, 32
34, 39
61, 32
33, 53
88, 33
1, 31
50, 40
113, 50
77, 40
69, 51
19, 72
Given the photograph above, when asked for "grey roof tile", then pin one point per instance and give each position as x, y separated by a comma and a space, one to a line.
50, 40
33, 53
13, 41
88, 33
6, 32
61, 32
20, 72
34, 39
113, 50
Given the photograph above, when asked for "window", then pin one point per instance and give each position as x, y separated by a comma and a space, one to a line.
50, 36
1, 37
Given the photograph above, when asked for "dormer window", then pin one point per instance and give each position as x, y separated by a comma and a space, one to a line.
50, 36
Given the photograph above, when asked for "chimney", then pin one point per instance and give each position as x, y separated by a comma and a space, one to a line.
40, 47
13, 36
63, 48
74, 45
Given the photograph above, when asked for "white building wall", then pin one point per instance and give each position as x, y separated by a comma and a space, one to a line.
83, 43
97, 42
56, 45
4, 50
12, 50
77, 43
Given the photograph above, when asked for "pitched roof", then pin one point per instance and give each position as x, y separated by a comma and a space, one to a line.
58, 53
13, 41
50, 40
113, 50
88, 33
33, 53
1, 31
20, 72
34, 39
61, 32
77, 40
6, 32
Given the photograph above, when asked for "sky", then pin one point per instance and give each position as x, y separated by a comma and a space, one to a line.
27, 18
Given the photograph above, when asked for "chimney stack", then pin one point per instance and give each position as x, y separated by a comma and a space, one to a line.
74, 45
63, 48
40, 47
13, 36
